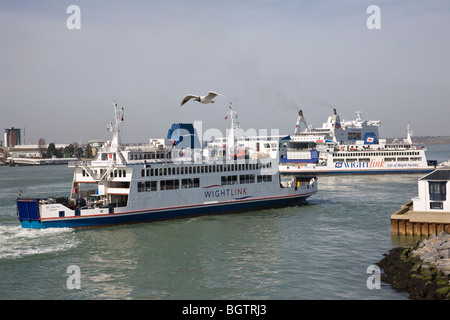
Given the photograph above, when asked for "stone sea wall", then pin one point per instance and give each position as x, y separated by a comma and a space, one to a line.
423, 270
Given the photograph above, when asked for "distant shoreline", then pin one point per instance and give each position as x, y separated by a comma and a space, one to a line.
426, 139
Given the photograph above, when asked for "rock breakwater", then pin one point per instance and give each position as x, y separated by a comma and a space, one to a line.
423, 270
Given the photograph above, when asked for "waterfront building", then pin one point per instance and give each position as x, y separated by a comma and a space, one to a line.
12, 137
429, 212
433, 192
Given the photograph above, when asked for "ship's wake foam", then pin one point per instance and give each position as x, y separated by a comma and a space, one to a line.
17, 242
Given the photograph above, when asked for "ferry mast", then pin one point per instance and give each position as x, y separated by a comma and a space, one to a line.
114, 145
231, 139
114, 128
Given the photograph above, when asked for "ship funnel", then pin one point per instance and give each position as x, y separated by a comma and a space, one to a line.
409, 134
300, 118
334, 121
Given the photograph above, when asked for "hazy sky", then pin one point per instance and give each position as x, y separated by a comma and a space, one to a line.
268, 57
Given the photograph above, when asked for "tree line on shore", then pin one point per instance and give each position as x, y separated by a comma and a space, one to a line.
73, 150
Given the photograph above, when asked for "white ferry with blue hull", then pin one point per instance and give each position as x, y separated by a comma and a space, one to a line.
161, 181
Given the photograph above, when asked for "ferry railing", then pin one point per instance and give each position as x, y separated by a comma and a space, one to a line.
365, 148
73, 163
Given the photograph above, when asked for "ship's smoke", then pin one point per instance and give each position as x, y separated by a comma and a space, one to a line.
306, 98
296, 100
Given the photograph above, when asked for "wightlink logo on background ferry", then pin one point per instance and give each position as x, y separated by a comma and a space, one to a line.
372, 164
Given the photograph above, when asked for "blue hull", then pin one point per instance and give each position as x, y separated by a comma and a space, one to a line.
163, 214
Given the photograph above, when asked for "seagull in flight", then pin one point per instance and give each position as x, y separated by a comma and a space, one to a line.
208, 98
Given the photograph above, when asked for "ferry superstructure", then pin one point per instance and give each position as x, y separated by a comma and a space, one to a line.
164, 181
347, 147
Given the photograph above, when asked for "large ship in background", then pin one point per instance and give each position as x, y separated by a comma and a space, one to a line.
348, 147
169, 178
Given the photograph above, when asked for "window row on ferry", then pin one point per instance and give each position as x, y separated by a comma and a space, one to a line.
399, 159
116, 173
167, 171
150, 156
378, 153
245, 178
146, 186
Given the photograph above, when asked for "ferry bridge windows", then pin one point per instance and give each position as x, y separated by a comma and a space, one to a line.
354, 136
117, 173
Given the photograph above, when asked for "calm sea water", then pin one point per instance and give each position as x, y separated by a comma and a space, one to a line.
317, 251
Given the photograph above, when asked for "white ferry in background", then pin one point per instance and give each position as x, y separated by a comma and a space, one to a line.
166, 179
344, 147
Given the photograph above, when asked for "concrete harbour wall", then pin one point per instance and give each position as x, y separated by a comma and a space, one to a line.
408, 222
